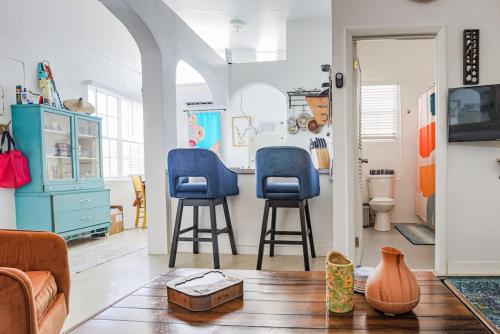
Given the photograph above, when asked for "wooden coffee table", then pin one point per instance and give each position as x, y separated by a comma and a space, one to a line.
280, 302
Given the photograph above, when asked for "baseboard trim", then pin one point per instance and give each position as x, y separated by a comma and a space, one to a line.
464, 268
206, 247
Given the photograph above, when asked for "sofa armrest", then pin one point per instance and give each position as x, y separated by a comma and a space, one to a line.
17, 309
30, 251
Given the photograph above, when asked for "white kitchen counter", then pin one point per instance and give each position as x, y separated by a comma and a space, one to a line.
246, 216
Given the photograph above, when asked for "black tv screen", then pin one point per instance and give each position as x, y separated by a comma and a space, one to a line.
474, 113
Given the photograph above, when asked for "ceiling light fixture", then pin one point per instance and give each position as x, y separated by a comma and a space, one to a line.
238, 25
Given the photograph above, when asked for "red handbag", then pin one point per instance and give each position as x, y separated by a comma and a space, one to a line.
14, 169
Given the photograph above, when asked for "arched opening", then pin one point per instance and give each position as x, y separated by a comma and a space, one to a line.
192, 93
256, 117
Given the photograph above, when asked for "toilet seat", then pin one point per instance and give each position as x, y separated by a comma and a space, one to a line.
383, 200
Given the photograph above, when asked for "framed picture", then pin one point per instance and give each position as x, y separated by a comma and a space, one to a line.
241, 125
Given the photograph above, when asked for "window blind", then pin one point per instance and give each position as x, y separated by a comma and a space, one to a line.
122, 133
379, 112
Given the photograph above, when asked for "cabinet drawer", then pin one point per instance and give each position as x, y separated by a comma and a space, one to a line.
51, 187
73, 220
81, 200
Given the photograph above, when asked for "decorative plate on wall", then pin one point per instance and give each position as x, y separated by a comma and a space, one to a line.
303, 119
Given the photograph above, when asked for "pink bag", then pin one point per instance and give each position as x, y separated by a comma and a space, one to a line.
14, 169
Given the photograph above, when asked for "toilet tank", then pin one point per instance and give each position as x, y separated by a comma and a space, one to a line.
381, 186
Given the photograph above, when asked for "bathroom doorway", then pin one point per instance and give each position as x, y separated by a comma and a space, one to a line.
395, 99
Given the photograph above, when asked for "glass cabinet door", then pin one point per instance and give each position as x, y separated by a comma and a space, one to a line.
57, 147
88, 148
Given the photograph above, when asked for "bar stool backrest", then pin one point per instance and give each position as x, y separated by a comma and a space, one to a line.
196, 162
286, 162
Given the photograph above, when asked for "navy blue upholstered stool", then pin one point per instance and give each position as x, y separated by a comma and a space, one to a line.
286, 162
219, 183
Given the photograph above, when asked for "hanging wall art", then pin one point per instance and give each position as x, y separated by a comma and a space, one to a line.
204, 130
471, 57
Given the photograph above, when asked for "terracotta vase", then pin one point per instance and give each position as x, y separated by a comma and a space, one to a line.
392, 288
339, 283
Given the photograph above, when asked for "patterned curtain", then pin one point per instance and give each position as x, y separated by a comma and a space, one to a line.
426, 169
205, 130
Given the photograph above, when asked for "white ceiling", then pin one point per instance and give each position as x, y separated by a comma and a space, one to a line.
265, 20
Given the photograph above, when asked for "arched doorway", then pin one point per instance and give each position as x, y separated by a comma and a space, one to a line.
191, 89
265, 107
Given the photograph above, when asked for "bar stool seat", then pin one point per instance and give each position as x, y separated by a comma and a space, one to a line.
193, 189
220, 182
282, 190
286, 162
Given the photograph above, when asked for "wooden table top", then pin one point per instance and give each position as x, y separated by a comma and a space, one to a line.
280, 302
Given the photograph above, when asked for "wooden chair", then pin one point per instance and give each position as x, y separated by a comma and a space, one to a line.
140, 200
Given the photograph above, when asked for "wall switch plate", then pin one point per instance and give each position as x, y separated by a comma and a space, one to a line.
339, 80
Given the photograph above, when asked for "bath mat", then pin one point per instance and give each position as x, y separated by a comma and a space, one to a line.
481, 295
417, 234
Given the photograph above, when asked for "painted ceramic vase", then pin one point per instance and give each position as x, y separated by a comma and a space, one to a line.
339, 283
392, 288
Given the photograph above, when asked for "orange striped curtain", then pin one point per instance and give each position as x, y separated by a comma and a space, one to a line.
426, 161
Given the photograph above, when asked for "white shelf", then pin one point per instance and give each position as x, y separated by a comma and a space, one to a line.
80, 135
57, 157
56, 132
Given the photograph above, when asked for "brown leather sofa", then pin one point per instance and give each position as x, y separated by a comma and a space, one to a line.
34, 282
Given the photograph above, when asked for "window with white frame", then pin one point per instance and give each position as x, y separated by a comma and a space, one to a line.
122, 133
379, 112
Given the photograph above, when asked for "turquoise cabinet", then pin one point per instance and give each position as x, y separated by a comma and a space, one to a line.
64, 150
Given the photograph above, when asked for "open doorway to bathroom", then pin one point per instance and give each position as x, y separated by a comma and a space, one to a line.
395, 81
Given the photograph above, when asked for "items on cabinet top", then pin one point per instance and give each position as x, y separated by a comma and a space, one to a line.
49, 95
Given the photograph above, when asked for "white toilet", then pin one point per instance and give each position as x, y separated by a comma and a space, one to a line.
381, 194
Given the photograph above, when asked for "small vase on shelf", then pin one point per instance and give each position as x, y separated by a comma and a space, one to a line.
392, 288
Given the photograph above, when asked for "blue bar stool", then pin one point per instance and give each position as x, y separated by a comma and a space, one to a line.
286, 162
219, 183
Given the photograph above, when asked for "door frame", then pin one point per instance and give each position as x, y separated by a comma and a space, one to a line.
439, 33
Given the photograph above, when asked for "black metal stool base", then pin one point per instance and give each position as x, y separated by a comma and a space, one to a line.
305, 229
196, 203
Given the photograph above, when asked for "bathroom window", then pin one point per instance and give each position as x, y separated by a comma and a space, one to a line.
379, 112
122, 133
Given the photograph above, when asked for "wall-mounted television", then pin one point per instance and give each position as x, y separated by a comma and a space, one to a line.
474, 113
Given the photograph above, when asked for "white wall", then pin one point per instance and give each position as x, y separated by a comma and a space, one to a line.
410, 64
263, 103
471, 179
82, 41
246, 218
308, 47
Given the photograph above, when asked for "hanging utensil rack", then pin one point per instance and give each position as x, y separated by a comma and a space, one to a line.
297, 98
